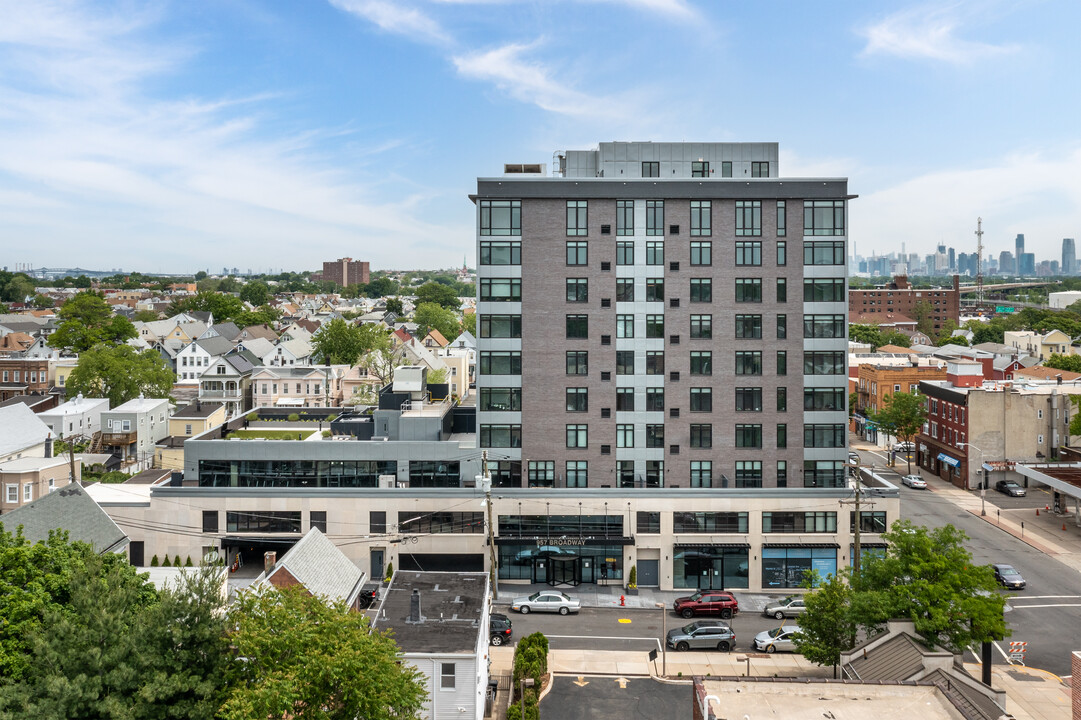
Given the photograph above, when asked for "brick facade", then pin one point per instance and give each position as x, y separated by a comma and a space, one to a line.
898, 297
345, 272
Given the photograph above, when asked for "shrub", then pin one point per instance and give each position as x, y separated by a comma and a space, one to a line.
293, 417
187, 562
154, 561
632, 580
251, 417
390, 571
166, 563
326, 433
176, 561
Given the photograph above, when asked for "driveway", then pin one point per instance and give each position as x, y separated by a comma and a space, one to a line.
592, 697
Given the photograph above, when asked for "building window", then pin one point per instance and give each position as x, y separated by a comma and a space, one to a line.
782, 253
187, 428
12, 493
824, 217
818, 399
624, 436
825, 326
823, 363
654, 217
748, 436
654, 473
501, 217
655, 399
701, 218
748, 399
701, 399
651, 169
701, 252
500, 252
748, 362
500, 326
749, 290
824, 252
748, 473
782, 399
648, 523
701, 290
654, 362
501, 436
577, 436
782, 362
210, 521
824, 290
577, 252
577, 290
749, 326
699, 169
702, 473
577, 472
625, 252
748, 218
823, 473
871, 521
267, 521
799, 522
654, 436
625, 290
760, 169
781, 219
501, 362
624, 399
701, 436
496, 399
577, 326
446, 676
701, 326
318, 519
748, 252
577, 362
655, 290
726, 168
782, 290
541, 473
655, 252
701, 362
577, 217
501, 289
654, 326
782, 435
624, 326
624, 362
782, 327
625, 217
824, 436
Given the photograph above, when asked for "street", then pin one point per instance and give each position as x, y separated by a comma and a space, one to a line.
1047, 614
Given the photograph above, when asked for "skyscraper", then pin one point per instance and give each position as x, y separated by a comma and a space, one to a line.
1069, 257
1019, 248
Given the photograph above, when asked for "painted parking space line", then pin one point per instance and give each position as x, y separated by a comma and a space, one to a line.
1044, 597
1049, 605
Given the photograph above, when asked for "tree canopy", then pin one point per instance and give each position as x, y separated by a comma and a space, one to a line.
429, 316
87, 320
438, 293
255, 293
1071, 363
222, 305
876, 336
299, 657
902, 416
120, 373
15, 287
828, 625
343, 343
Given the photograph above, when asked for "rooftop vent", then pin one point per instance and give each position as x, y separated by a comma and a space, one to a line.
524, 169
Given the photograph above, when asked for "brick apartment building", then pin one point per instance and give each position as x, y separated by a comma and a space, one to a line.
344, 272
898, 297
875, 382
23, 376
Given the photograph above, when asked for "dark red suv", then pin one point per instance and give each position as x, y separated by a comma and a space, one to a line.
707, 602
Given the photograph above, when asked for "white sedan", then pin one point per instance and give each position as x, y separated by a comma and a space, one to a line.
914, 481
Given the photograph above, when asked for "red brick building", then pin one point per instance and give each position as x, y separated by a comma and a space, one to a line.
23, 376
900, 298
345, 271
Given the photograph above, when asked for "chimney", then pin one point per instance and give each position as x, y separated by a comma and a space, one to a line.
1059, 378
414, 607
49, 440
270, 558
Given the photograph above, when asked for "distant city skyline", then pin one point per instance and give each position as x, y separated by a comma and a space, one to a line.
178, 136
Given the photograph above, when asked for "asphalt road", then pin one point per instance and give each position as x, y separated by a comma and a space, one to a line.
590, 697
1047, 614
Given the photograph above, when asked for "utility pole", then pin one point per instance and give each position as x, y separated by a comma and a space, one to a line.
486, 483
857, 503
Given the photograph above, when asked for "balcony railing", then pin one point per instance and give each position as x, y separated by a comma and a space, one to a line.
220, 394
119, 438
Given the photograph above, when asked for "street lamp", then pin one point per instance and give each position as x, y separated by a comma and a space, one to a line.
522, 685
983, 485
664, 638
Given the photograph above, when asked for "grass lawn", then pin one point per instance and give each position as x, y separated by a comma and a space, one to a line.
269, 434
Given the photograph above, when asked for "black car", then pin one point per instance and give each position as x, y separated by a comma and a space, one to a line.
1008, 577
1009, 487
499, 627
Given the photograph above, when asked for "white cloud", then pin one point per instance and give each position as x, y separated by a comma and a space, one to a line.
928, 32
394, 17
675, 9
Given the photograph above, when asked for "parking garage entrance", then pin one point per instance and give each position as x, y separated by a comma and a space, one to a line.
245, 555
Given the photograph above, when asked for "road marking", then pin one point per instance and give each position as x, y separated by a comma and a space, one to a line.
1044, 597
581, 681
622, 681
654, 640
1026, 607
1003, 652
624, 621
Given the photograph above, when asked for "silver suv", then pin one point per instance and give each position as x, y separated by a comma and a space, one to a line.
702, 634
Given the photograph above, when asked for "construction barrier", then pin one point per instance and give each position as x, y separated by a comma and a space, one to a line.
1017, 652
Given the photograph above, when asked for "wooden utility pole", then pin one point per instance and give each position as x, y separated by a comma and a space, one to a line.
493, 558
857, 503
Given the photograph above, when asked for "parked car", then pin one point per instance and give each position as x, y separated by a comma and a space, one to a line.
499, 629
782, 638
707, 602
1009, 487
547, 601
853, 456
790, 606
702, 634
904, 447
1008, 577
914, 481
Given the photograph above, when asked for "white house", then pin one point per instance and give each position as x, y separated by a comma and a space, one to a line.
81, 416
22, 434
307, 386
289, 353
227, 381
193, 360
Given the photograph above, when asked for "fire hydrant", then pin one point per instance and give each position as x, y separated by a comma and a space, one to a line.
622, 601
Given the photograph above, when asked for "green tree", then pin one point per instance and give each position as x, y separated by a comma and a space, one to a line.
928, 576
145, 316
438, 377
902, 416
381, 362
87, 320
17, 288
828, 625
120, 373
469, 323
200, 275
338, 342
952, 340
296, 656
433, 292
255, 293
868, 334
262, 315
894, 337
430, 316
394, 305
923, 314
381, 287
43, 301
1063, 362
223, 306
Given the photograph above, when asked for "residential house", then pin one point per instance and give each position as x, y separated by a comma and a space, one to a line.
228, 381
440, 623
79, 416
359, 385
131, 430
61, 369
72, 510
257, 331
308, 386
295, 332
197, 357
1039, 345
189, 421
15, 342
434, 340
37, 403
314, 563
23, 376
227, 330
258, 347
288, 353
26, 479
873, 385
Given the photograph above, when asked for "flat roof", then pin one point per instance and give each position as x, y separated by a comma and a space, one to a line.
451, 609
29, 464
199, 409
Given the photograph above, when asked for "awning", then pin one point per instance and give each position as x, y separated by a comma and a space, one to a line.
746, 546
951, 461
289, 402
800, 545
249, 540
865, 545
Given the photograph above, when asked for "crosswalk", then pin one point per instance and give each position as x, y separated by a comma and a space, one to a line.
1026, 602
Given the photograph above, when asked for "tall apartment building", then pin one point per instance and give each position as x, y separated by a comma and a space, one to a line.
899, 297
639, 318
344, 272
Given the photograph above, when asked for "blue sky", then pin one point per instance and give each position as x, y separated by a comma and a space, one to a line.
196, 134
